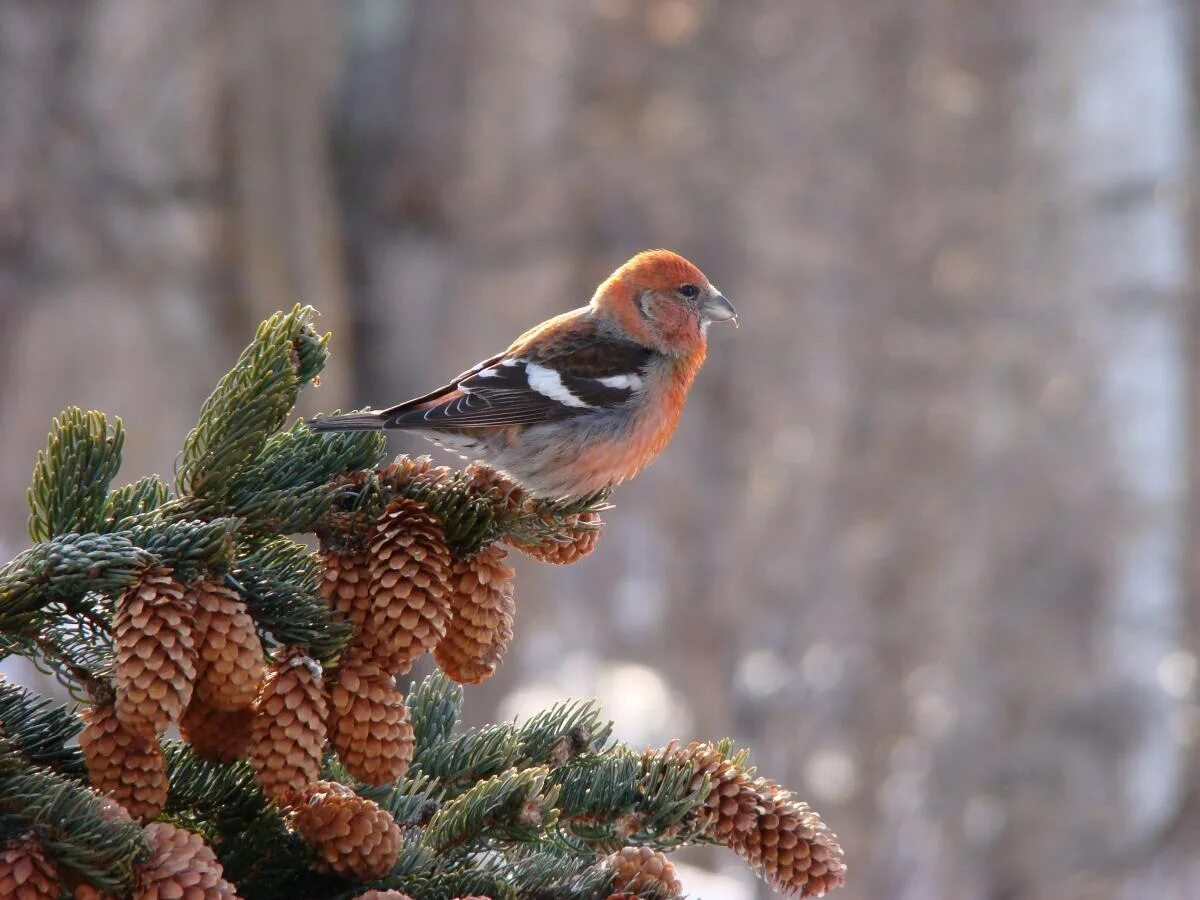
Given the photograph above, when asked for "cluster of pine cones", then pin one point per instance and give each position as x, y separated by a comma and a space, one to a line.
190, 655
180, 864
405, 593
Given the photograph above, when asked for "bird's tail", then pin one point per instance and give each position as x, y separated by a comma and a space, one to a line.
368, 420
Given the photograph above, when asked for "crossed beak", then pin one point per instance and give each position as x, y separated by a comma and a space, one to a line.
717, 309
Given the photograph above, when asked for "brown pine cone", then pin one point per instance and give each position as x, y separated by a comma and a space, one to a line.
482, 605
580, 533
383, 895
404, 470
790, 845
26, 873
155, 653
368, 723
346, 585
113, 812
128, 767
216, 734
732, 802
230, 653
181, 865
85, 891
640, 870
484, 480
288, 732
410, 563
351, 835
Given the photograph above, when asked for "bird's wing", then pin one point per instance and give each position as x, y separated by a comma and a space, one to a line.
441, 393
539, 382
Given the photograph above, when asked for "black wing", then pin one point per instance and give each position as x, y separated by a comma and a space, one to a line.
527, 390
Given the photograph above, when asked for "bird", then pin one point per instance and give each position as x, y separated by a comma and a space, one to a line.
586, 399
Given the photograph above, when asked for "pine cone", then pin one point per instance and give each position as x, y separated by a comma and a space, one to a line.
383, 895
26, 873
404, 470
580, 533
128, 767
732, 802
346, 585
180, 865
113, 812
640, 870
368, 723
288, 732
230, 652
216, 734
410, 564
155, 653
795, 851
85, 891
351, 835
482, 605
486, 481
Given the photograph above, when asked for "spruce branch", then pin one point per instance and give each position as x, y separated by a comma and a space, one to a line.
669, 796
249, 404
75, 824
71, 477
39, 730
596, 792
466, 758
266, 859
190, 547
291, 483
75, 646
422, 873
542, 873
551, 521
619, 798
564, 730
311, 350
435, 705
209, 795
279, 580
514, 805
412, 800
66, 568
125, 506
550, 871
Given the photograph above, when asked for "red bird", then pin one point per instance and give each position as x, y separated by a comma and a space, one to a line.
586, 399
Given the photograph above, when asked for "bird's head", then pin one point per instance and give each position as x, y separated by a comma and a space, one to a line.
663, 301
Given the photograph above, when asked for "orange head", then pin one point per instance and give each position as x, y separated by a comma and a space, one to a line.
663, 301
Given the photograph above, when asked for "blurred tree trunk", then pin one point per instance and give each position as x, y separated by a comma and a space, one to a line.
163, 184
927, 511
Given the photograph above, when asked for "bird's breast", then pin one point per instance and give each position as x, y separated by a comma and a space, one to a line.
605, 463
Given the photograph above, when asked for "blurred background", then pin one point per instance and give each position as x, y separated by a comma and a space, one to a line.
927, 537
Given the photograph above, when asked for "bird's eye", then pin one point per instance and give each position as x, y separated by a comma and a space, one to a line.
688, 291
